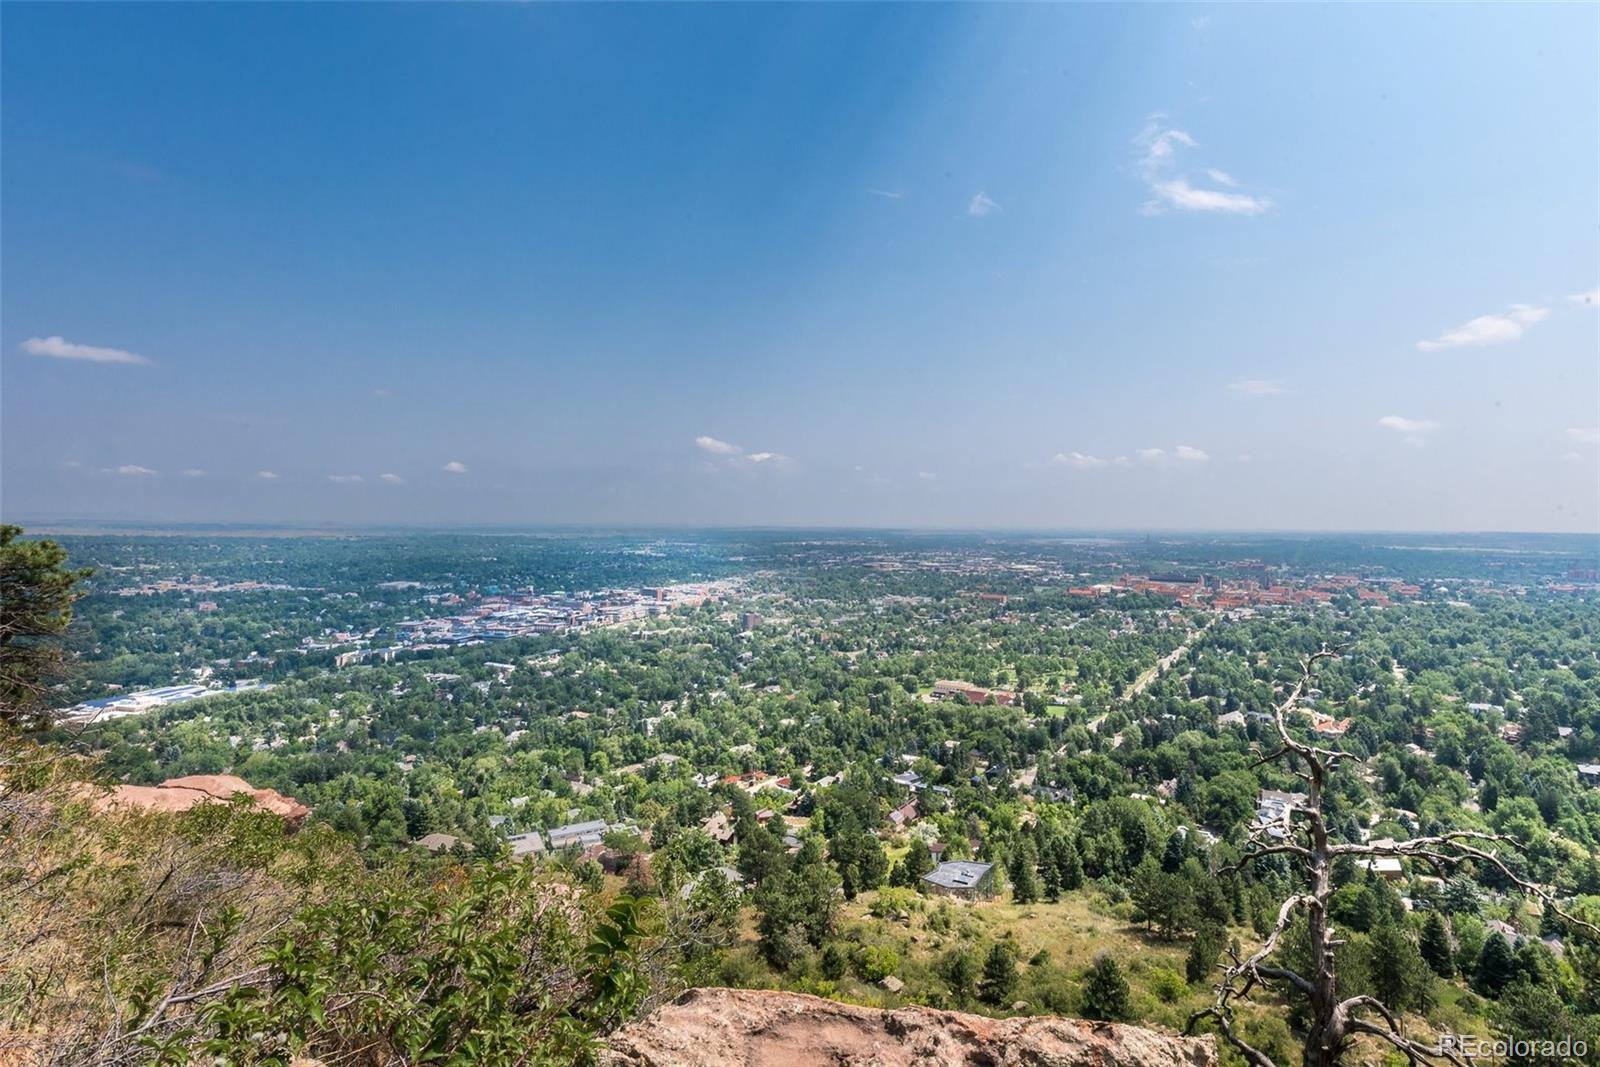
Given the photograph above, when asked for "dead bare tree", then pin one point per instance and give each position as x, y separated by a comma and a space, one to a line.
1303, 835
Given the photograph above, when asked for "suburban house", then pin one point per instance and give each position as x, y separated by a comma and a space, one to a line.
525, 845
966, 879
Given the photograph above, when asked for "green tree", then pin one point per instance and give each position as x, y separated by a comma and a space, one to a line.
1105, 991
36, 594
1396, 970
1203, 953
999, 981
961, 974
1435, 946
1497, 965
1020, 869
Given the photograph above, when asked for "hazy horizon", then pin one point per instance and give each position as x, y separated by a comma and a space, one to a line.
1078, 268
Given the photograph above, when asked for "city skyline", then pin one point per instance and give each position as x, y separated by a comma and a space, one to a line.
1181, 268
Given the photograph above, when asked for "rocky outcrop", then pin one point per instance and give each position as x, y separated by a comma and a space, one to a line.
755, 1028
181, 794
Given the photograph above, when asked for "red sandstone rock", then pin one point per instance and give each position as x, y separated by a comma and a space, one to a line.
757, 1028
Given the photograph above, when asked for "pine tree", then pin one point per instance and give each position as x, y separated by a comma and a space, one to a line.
918, 862
1435, 946
1497, 965
1203, 952
1070, 865
1176, 852
1105, 991
1399, 976
961, 973
999, 981
1020, 869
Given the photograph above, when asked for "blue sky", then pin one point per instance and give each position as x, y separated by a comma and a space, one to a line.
1133, 265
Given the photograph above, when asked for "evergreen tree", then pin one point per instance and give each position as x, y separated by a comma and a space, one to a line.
36, 595
1069, 864
918, 862
999, 981
1020, 869
1176, 852
1399, 977
1497, 965
961, 974
1203, 952
1435, 946
1105, 991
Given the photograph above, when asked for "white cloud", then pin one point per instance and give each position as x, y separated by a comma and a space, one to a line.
1584, 435
134, 470
1570, 457
270, 476
926, 476
887, 194
981, 205
1257, 387
1178, 193
192, 472
1401, 424
716, 447
1171, 189
392, 479
56, 347
71, 464
1488, 329
1160, 457
1079, 461
735, 456
1243, 457
455, 466
1589, 299
345, 479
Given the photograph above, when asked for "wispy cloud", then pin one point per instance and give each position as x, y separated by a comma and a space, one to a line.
1401, 424
269, 476
1257, 387
345, 479
1589, 299
192, 472
1488, 329
981, 205
56, 347
455, 466
927, 476
733, 455
1079, 461
716, 447
1181, 454
1172, 189
1179, 193
887, 194
135, 471
1584, 435
392, 479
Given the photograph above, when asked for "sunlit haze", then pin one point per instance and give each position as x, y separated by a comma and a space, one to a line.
1260, 267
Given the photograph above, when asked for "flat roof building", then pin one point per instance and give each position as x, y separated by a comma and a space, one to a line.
967, 879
